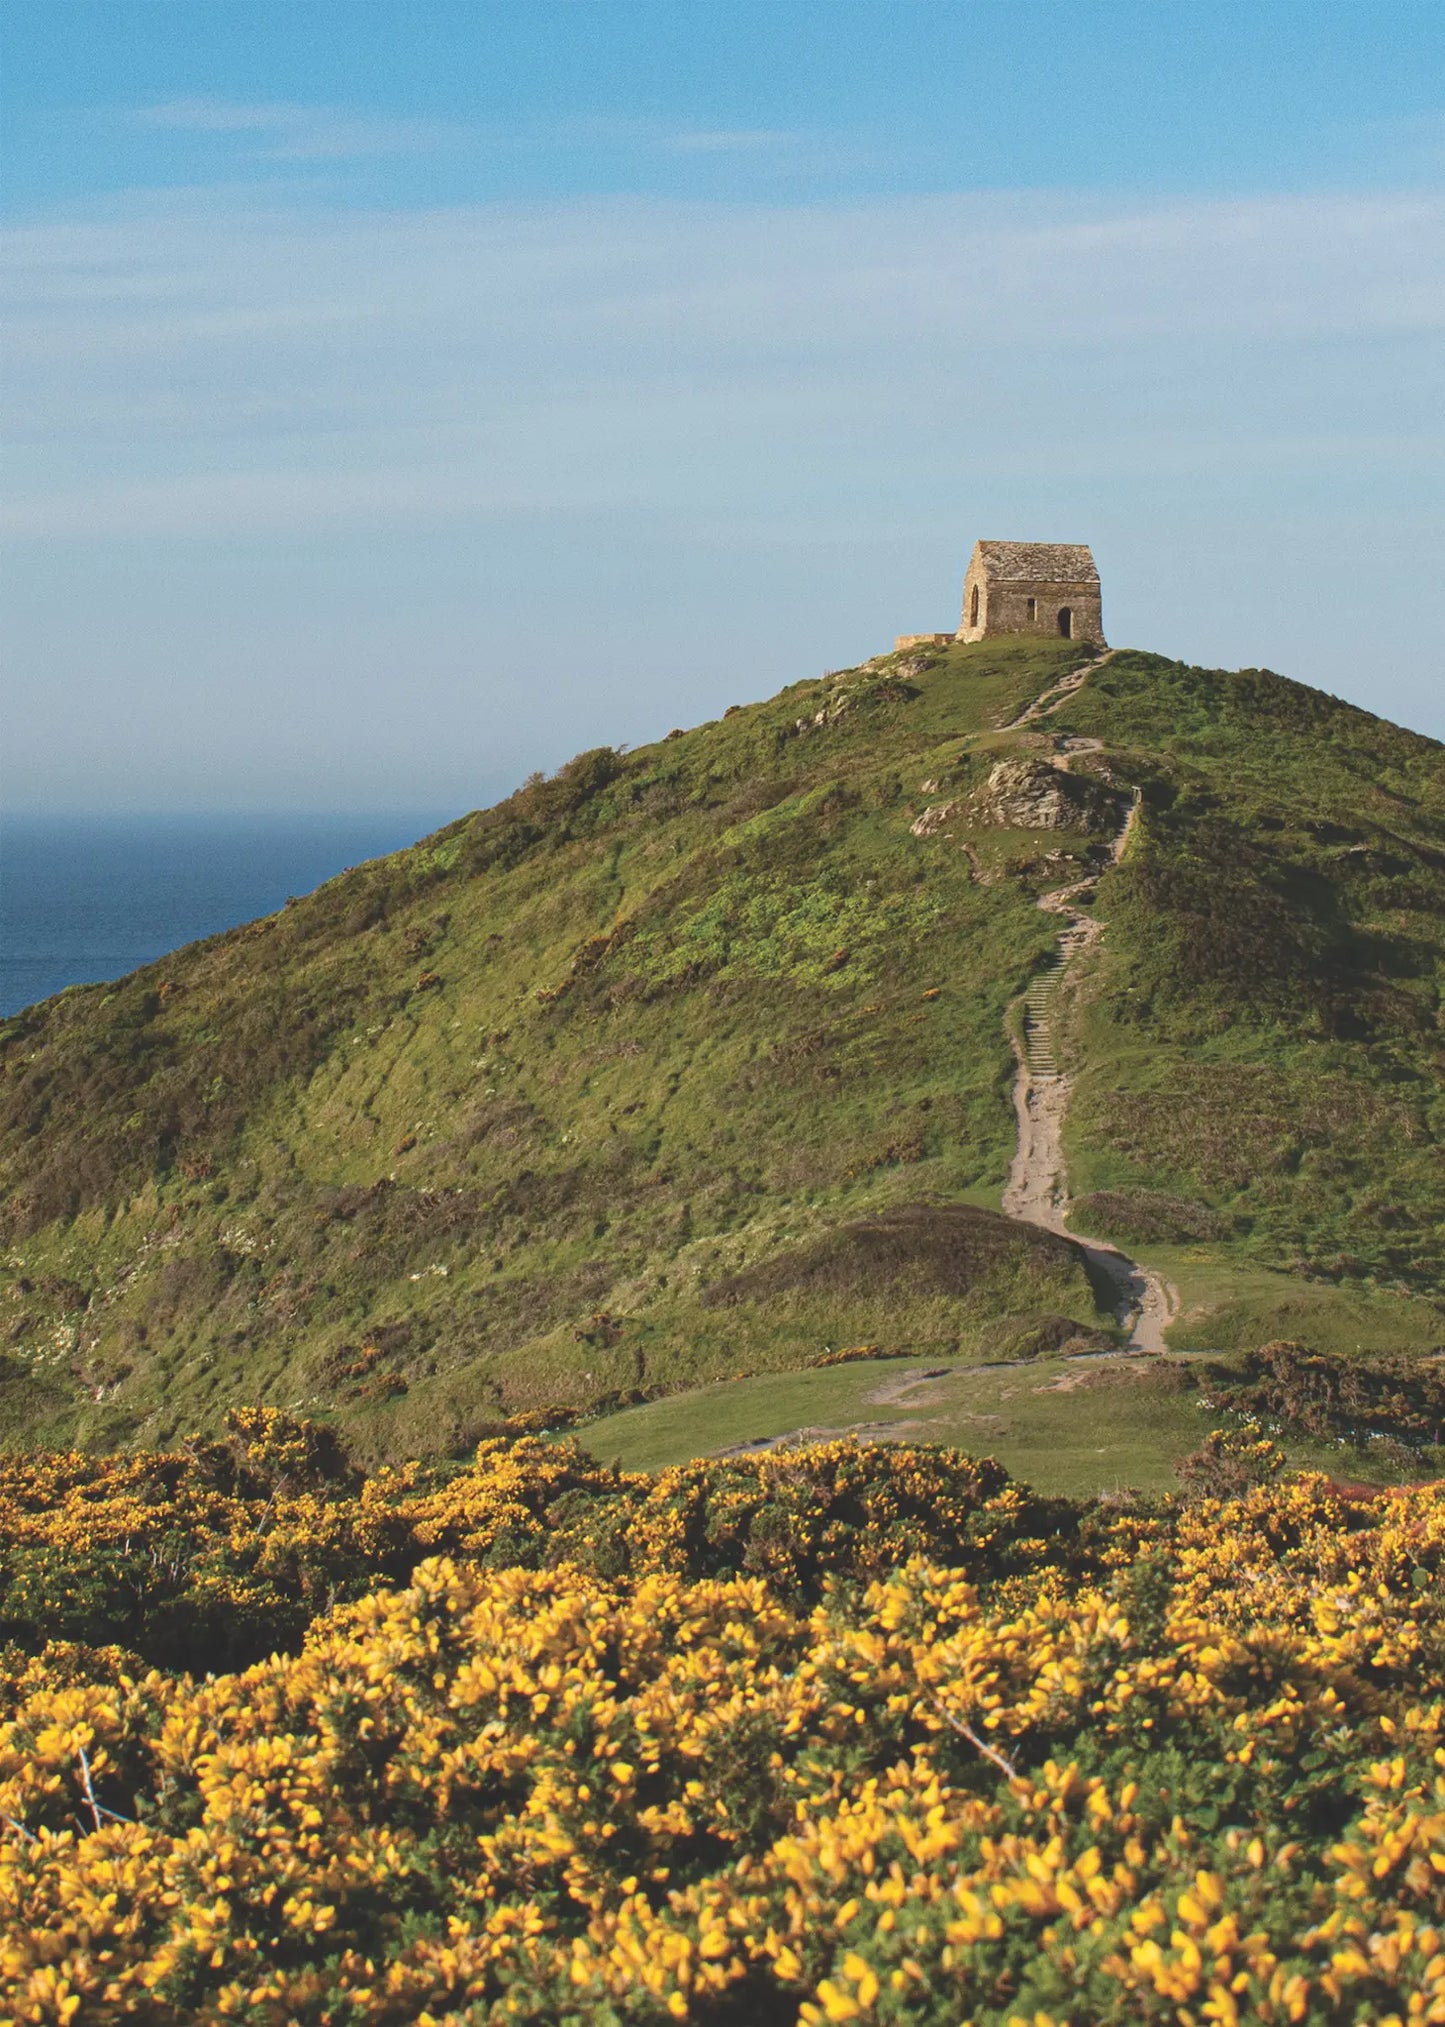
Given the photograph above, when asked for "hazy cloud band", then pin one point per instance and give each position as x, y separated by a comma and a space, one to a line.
202, 362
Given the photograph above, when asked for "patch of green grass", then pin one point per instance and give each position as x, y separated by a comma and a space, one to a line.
1229, 1303
809, 934
1077, 1427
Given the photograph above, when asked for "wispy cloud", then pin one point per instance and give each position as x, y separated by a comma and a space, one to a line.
283, 132
208, 361
725, 140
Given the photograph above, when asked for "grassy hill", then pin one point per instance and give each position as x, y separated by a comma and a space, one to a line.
693, 1061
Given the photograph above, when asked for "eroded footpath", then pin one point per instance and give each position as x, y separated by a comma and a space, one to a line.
1037, 1190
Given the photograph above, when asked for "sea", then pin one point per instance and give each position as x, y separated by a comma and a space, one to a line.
84, 898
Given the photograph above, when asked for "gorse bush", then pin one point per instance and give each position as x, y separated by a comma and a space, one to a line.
1184, 1766
1397, 1401
1228, 1462
216, 1555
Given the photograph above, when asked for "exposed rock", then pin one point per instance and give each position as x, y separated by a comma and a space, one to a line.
1026, 794
934, 819
885, 687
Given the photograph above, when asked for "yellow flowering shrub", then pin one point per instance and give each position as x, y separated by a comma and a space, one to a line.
215, 1555
1182, 1766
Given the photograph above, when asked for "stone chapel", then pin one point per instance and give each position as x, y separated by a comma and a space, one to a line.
1032, 587
1048, 588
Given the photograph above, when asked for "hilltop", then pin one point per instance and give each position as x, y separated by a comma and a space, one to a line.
695, 1061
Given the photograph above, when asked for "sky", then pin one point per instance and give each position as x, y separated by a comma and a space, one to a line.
402, 397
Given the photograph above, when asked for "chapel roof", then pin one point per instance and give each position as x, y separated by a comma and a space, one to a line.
1037, 562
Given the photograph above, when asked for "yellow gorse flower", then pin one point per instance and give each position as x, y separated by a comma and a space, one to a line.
1030, 1788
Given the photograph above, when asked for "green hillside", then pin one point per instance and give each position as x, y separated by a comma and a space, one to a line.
693, 1061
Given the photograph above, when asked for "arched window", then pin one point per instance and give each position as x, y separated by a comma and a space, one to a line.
973, 608
1066, 621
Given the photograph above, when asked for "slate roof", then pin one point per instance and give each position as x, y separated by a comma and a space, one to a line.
1037, 562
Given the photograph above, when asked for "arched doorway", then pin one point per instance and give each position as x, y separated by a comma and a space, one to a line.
973, 604
1066, 621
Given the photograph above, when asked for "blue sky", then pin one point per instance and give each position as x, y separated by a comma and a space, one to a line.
405, 396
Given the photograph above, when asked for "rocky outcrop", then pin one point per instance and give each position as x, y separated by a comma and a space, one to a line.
934, 819
1030, 795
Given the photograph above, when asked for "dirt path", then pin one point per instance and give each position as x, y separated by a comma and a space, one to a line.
1037, 1190
1058, 693
896, 1393
790, 1439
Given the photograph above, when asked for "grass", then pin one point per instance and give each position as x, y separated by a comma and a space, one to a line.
1074, 1440
485, 1125
1232, 1304
1262, 1034
1074, 1427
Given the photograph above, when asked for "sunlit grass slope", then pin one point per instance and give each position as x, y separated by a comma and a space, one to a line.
692, 1061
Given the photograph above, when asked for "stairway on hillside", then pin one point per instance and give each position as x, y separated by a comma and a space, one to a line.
1041, 1000
1040, 1006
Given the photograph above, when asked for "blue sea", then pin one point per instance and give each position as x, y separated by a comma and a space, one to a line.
86, 898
